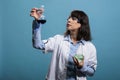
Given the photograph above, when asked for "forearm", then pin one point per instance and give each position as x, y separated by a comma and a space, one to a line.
87, 70
36, 36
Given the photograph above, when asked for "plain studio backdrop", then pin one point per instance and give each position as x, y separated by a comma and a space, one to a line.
20, 61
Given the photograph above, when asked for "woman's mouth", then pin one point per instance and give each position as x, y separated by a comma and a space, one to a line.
68, 25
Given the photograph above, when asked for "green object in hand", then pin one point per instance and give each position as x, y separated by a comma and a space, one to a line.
79, 57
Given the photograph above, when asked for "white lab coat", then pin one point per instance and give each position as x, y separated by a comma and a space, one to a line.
60, 47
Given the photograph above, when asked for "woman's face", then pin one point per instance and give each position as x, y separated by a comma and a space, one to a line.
72, 24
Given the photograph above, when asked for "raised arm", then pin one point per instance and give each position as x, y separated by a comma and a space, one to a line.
36, 28
36, 36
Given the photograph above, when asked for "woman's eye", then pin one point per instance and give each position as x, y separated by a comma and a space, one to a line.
74, 18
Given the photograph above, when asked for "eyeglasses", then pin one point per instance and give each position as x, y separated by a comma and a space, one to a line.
32, 11
74, 18
39, 11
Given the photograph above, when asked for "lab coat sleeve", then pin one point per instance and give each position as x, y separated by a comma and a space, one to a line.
51, 43
89, 67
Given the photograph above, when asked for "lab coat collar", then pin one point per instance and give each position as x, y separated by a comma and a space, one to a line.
67, 38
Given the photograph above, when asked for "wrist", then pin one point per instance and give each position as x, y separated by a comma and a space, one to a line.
37, 19
79, 67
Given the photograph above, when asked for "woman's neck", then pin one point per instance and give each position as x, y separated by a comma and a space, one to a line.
73, 36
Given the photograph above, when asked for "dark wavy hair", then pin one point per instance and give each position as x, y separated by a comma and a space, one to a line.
84, 31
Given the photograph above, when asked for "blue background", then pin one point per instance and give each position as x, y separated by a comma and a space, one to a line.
20, 61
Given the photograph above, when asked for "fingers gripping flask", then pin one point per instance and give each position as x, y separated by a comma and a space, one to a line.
79, 57
42, 19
